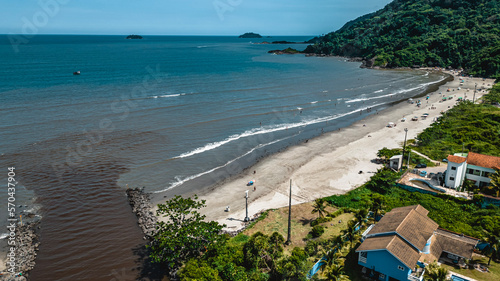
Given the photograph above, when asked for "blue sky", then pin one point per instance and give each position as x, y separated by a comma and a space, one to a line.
178, 17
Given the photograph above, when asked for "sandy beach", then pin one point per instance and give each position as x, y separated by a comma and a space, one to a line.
329, 164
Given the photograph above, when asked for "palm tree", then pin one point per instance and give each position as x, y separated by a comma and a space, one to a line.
495, 181
336, 272
319, 207
377, 204
360, 216
350, 232
493, 249
434, 272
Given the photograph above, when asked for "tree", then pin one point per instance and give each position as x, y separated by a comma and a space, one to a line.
383, 180
386, 154
262, 251
468, 185
184, 234
198, 271
378, 202
493, 248
434, 272
336, 272
360, 216
319, 207
495, 181
294, 267
350, 232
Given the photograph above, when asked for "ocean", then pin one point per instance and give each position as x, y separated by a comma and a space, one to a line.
176, 113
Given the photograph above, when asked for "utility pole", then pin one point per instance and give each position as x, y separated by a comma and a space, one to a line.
404, 148
246, 203
409, 153
474, 97
288, 239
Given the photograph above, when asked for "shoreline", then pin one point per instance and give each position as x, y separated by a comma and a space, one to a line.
328, 164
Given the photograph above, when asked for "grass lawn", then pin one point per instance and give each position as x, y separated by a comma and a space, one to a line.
494, 268
277, 220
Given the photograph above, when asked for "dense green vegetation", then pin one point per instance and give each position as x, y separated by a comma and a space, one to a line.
467, 126
455, 214
494, 95
459, 33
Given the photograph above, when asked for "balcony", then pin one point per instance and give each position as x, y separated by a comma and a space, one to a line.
416, 275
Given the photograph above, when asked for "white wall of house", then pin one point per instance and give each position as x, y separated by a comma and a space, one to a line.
455, 174
479, 174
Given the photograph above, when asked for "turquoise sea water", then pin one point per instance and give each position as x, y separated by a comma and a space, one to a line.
165, 112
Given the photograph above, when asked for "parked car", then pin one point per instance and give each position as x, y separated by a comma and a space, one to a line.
423, 173
421, 165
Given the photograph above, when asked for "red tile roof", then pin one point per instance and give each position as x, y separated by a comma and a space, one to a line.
482, 160
456, 159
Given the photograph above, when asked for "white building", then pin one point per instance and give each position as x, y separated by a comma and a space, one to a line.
475, 167
455, 173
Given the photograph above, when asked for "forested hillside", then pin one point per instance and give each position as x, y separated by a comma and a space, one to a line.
457, 33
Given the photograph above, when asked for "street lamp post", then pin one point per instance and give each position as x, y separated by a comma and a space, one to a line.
246, 207
404, 146
474, 97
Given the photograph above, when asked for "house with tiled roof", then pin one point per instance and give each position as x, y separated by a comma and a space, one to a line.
475, 167
400, 245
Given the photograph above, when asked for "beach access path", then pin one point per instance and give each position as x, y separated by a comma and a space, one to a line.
329, 164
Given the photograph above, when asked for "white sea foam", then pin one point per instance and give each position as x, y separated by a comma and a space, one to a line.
313, 102
379, 91
180, 181
168, 96
402, 91
4, 235
265, 130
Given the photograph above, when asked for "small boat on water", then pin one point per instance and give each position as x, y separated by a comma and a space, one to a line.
76, 72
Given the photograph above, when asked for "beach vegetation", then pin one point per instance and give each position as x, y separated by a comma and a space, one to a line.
183, 234
317, 231
434, 272
492, 250
493, 97
495, 182
464, 128
319, 207
410, 33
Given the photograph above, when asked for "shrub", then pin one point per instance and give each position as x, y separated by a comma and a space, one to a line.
317, 231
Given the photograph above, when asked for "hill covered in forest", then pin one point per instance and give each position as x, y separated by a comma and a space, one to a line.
406, 33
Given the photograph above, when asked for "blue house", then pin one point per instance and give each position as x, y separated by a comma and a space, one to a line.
404, 240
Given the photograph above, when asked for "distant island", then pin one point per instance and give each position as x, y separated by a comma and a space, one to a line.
250, 35
289, 51
133, 36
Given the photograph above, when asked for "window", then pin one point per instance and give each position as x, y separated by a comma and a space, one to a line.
401, 268
485, 174
452, 178
453, 168
363, 257
473, 172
